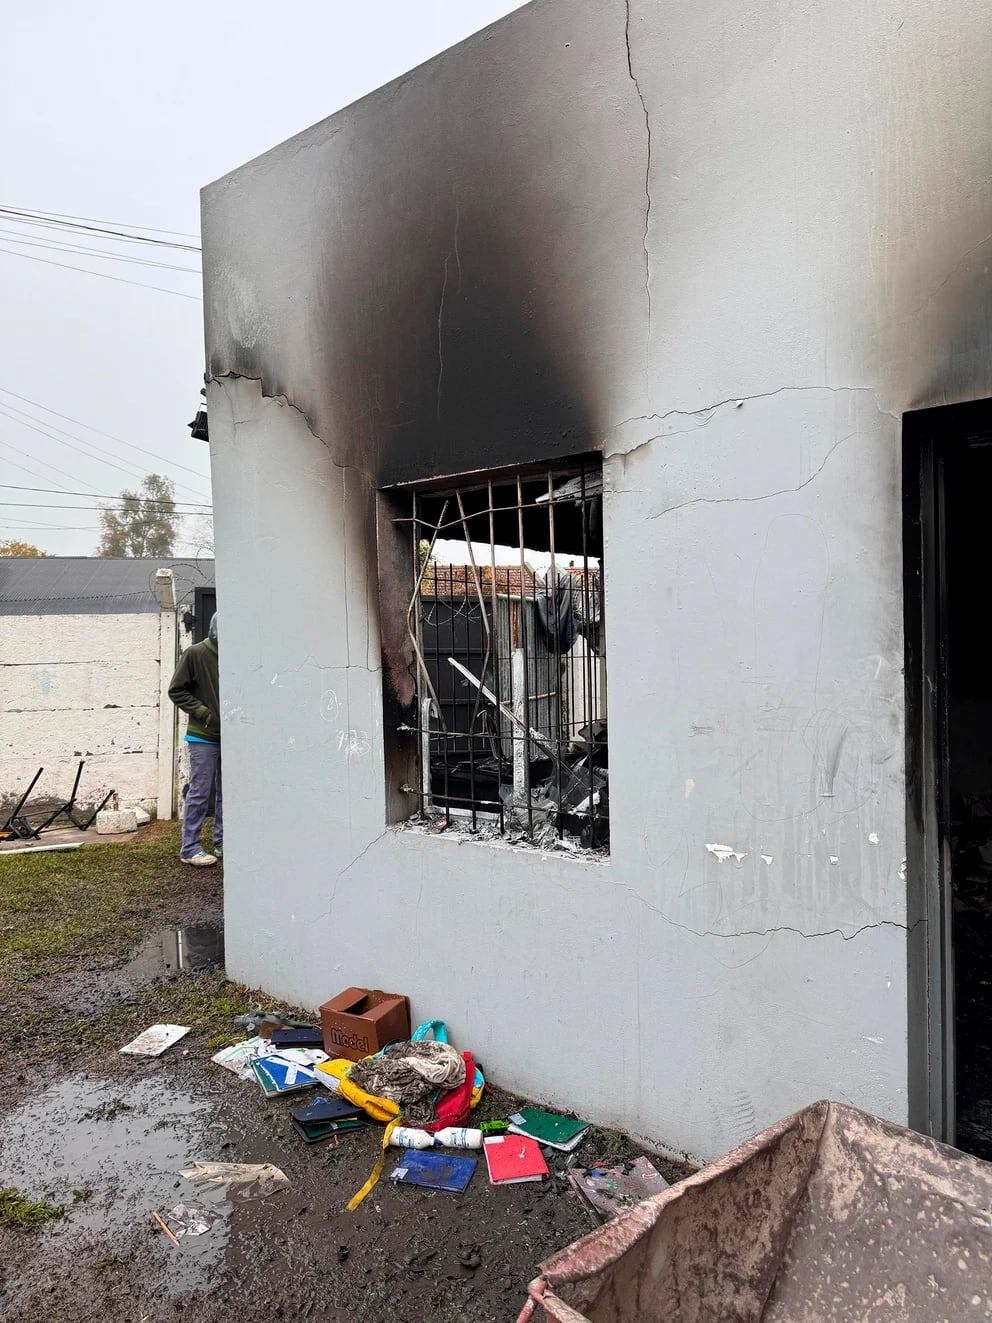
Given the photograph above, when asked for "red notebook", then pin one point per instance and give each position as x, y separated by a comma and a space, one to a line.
514, 1158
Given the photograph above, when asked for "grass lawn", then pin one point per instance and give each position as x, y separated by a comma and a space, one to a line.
80, 912
76, 902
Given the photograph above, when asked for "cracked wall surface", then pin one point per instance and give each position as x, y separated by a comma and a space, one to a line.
728, 250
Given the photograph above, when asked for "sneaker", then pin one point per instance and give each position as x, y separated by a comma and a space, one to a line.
219, 851
201, 860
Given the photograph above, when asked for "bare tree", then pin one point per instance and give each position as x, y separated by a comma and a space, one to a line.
142, 523
199, 538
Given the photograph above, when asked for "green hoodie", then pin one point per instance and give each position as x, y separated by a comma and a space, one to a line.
195, 689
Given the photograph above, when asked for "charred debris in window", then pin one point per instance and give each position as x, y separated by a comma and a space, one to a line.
508, 637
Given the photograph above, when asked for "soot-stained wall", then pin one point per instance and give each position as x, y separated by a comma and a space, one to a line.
728, 249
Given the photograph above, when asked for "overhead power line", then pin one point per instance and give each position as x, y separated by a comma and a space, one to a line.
61, 215
115, 509
94, 452
87, 448
51, 528
66, 418
101, 275
77, 227
74, 250
96, 496
52, 468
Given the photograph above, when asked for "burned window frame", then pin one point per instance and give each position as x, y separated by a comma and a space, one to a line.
531, 762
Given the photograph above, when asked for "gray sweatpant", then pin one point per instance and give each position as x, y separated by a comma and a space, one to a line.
204, 776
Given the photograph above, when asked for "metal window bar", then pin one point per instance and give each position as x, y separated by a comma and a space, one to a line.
510, 717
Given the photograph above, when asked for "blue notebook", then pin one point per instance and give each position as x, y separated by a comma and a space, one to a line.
277, 1076
434, 1171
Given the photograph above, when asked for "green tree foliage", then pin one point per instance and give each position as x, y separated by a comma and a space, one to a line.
142, 523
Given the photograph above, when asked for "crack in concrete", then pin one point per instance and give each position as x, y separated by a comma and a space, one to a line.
285, 402
826, 932
326, 913
767, 932
969, 252
736, 401
440, 346
647, 195
762, 496
458, 257
311, 660
104, 707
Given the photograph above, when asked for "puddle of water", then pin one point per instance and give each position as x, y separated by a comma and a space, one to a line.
172, 950
121, 1143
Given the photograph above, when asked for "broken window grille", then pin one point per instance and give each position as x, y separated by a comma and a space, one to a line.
507, 625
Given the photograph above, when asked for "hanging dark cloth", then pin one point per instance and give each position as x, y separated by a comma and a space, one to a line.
556, 614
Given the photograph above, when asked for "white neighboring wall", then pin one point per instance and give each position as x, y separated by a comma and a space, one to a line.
83, 686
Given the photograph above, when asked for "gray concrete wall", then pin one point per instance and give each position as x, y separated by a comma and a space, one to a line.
727, 249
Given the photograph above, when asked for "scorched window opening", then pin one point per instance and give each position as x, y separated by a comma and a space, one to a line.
508, 631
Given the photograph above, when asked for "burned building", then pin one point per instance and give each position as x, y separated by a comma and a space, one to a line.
664, 326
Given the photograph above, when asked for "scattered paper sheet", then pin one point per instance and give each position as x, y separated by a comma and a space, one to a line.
154, 1041
184, 1220
238, 1058
302, 1056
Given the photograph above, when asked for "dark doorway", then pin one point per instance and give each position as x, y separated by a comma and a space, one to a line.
204, 605
948, 455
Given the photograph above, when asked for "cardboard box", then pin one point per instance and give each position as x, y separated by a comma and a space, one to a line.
361, 1021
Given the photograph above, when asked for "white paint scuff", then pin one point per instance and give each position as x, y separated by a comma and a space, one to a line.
873, 838
690, 786
769, 859
724, 852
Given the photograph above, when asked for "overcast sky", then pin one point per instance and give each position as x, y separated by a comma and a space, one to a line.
121, 112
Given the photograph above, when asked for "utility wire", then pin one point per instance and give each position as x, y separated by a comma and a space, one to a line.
52, 528
97, 496
34, 472
101, 275
109, 435
61, 215
95, 452
131, 470
56, 246
114, 509
32, 218
19, 527
32, 424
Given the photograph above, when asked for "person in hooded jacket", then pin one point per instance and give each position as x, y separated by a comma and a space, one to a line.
195, 690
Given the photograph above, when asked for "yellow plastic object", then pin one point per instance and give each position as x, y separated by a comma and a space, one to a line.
380, 1162
380, 1109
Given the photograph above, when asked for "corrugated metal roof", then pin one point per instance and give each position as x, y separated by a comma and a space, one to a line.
92, 585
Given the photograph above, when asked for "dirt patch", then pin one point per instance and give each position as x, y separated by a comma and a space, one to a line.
103, 1138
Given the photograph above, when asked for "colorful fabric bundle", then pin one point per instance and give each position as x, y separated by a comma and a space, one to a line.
435, 1086
410, 1075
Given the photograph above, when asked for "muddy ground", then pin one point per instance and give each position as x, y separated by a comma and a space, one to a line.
103, 1137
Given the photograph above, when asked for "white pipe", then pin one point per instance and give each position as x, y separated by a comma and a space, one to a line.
42, 849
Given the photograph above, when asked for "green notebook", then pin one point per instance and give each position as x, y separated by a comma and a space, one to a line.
560, 1132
